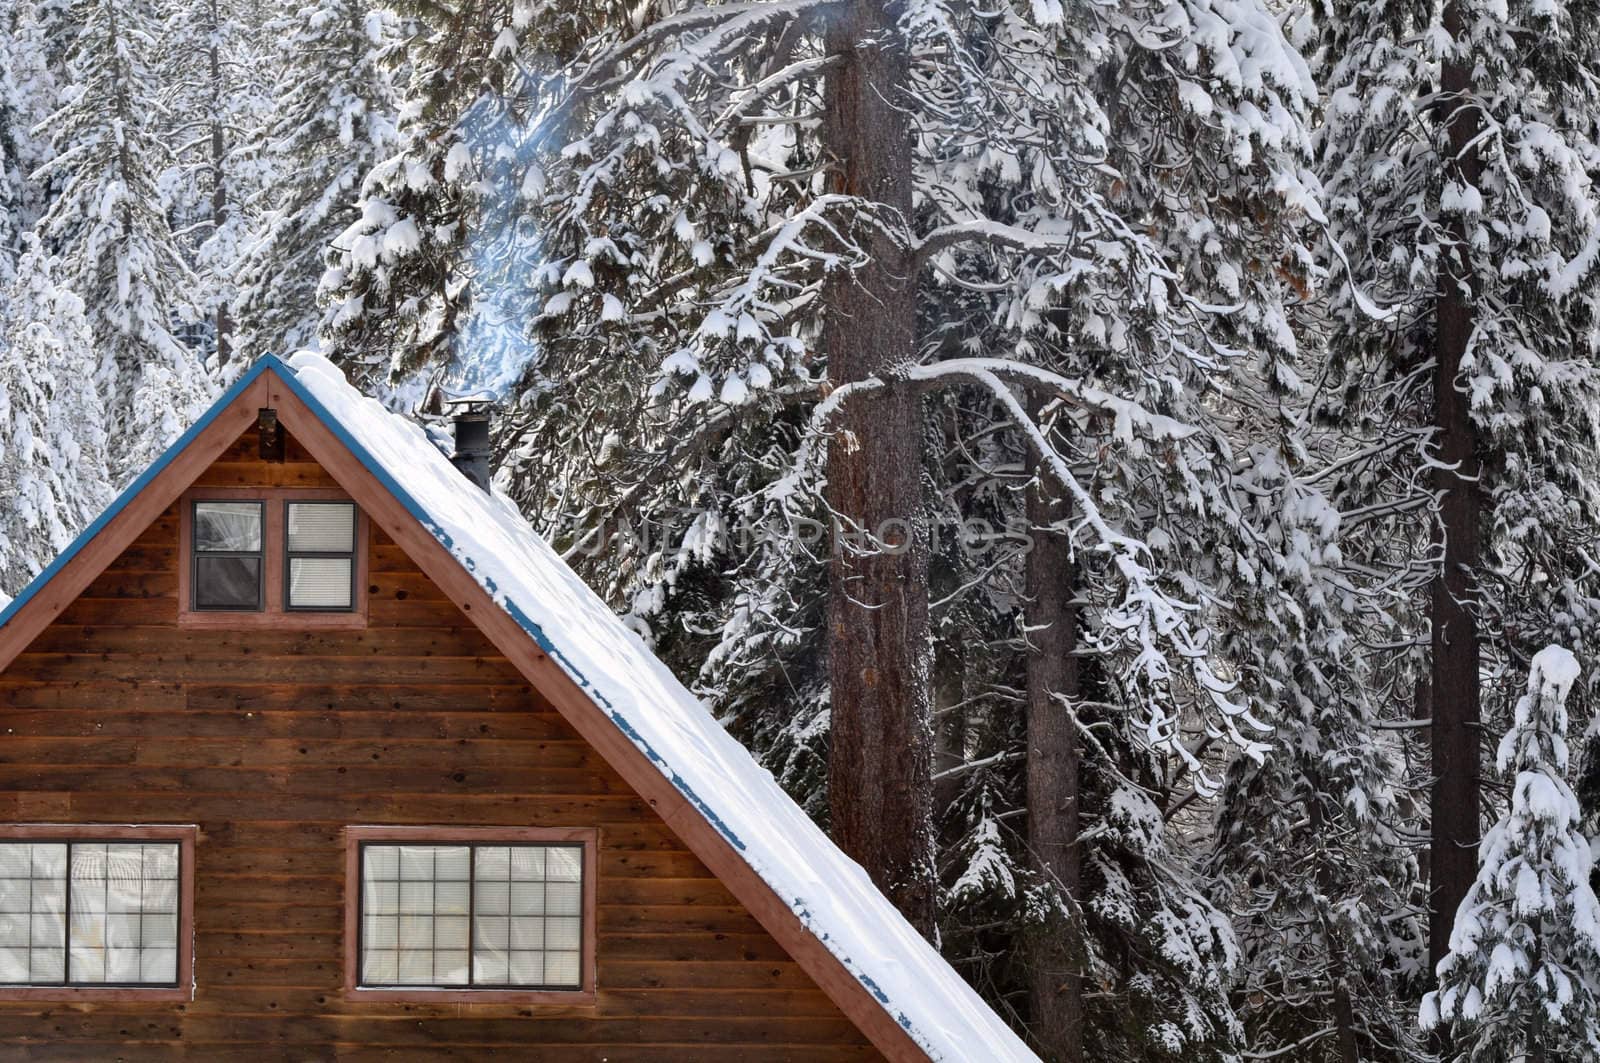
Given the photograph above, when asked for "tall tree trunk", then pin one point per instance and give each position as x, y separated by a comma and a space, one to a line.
1051, 615
950, 742
1342, 1007
1454, 692
1344, 1012
219, 191
880, 766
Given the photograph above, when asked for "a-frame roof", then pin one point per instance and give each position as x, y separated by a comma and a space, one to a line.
603, 679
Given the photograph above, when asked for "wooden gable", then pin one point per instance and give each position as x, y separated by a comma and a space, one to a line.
273, 741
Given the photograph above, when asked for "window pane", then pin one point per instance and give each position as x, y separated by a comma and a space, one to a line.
380, 967
33, 931
489, 967
561, 968
382, 862
527, 864
158, 965
492, 862
565, 864
227, 583
320, 582
229, 526
327, 527
527, 968
124, 913
451, 864
16, 859
517, 923
563, 898
47, 965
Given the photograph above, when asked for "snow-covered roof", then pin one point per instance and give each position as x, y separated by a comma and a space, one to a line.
829, 893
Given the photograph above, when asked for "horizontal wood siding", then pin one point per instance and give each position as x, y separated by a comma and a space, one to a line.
272, 741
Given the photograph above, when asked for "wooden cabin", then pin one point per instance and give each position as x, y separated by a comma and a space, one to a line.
313, 750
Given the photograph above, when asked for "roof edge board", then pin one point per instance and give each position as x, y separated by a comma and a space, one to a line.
849, 988
137, 487
848, 981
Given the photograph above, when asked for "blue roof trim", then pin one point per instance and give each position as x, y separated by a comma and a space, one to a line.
27, 594
536, 632
270, 363
527, 623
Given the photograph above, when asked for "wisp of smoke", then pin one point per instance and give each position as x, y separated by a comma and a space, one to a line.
494, 347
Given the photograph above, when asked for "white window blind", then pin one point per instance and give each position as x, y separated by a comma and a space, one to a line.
322, 527
321, 548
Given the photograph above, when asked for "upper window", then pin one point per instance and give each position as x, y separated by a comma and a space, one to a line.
321, 541
229, 559
252, 556
95, 908
505, 912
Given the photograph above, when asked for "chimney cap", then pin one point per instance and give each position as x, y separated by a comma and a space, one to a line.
471, 418
441, 400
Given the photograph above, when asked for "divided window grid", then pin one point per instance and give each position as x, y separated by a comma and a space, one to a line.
229, 556
320, 540
84, 913
471, 916
270, 555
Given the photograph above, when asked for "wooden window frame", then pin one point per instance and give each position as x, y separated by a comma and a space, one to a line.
355, 837
259, 554
184, 835
290, 556
275, 543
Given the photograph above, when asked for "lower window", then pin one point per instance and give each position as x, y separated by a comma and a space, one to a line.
85, 908
504, 911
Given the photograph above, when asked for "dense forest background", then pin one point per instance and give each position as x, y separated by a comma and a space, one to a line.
1129, 468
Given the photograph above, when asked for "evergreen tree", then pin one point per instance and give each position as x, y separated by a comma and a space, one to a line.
109, 225
699, 260
1312, 853
51, 436
1522, 977
332, 121
399, 293
212, 72
1456, 155
27, 91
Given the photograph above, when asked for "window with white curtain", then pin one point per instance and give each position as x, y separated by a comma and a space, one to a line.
229, 556
471, 916
87, 913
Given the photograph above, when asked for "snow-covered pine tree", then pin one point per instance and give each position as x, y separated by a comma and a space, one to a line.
1311, 853
333, 119
109, 226
692, 248
1521, 979
214, 100
1468, 216
27, 92
400, 292
52, 439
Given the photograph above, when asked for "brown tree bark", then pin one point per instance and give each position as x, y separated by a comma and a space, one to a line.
1453, 855
949, 750
880, 766
1342, 1006
1051, 615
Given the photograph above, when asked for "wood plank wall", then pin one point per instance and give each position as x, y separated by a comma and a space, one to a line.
274, 740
